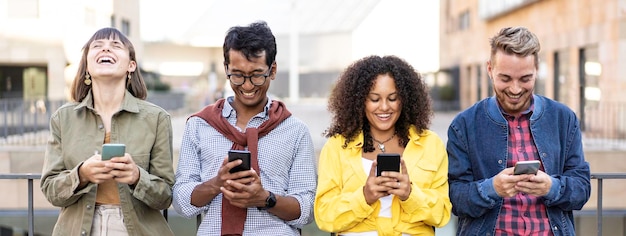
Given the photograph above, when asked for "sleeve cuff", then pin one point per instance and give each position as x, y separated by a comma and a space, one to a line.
487, 191
554, 192
411, 204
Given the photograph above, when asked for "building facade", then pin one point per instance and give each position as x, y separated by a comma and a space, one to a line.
583, 44
41, 42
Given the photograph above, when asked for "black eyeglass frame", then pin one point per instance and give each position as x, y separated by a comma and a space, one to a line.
249, 77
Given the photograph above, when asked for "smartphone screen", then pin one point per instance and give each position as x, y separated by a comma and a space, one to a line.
239, 155
110, 150
526, 167
387, 162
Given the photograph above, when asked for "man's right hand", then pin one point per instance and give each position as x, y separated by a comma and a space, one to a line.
205, 192
504, 182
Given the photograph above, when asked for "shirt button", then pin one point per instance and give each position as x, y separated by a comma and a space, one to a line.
88, 207
83, 233
100, 126
499, 161
526, 214
520, 150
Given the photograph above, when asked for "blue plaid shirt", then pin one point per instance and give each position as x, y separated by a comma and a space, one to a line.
287, 168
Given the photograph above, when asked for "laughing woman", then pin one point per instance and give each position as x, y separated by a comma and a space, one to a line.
107, 197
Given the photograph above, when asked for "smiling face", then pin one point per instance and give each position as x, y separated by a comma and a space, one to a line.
247, 95
513, 79
109, 58
383, 106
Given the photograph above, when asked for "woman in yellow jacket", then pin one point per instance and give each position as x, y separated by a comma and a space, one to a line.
381, 105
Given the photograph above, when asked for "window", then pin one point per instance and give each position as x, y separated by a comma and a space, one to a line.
126, 27
464, 21
540, 83
561, 80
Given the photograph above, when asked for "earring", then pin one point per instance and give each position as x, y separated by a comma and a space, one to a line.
129, 79
87, 80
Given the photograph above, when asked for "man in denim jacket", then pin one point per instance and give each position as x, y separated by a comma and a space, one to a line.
486, 140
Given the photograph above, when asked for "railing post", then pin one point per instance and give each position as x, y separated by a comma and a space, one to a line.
599, 209
31, 209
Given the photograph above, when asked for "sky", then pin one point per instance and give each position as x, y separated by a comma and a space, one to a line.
406, 28
417, 41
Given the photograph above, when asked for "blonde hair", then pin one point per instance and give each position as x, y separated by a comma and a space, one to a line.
515, 40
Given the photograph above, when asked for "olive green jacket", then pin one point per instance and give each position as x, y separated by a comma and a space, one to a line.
76, 131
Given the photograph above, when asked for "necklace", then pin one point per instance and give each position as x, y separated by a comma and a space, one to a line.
381, 145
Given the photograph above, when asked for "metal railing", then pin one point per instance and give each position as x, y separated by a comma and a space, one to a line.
31, 208
26, 121
600, 177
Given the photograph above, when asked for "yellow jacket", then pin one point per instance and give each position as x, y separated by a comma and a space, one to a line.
340, 204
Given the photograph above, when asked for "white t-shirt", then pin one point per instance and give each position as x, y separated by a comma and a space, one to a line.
385, 204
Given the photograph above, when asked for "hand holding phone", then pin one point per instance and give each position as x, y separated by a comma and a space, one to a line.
239, 155
110, 150
526, 167
387, 162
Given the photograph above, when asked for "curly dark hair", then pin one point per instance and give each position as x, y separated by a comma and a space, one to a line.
347, 99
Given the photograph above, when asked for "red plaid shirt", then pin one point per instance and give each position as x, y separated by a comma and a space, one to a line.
522, 214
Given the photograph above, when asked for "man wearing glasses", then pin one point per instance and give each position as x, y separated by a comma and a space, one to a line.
275, 196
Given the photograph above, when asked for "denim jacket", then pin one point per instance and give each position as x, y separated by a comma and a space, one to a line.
477, 151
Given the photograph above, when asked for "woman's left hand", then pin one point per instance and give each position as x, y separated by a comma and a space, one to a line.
401, 187
124, 169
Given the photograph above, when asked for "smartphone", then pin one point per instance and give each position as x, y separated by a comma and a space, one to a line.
110, 150
239, 155
526, 167
387, 162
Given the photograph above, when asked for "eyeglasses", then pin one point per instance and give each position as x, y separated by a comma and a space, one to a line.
255, 79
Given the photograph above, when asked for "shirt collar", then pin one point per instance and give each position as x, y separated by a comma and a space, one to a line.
528, 112
228, 109
130, 102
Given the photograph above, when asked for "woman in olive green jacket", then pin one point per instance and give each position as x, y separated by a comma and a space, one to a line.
100, 197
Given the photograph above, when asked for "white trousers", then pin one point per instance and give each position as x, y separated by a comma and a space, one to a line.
108, 220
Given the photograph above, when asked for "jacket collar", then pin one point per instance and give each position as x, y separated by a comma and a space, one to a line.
495, 114
130, 102
355, 149
357, 143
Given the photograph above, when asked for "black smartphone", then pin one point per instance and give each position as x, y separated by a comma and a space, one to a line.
239, 155
110, 150
526, 167
387, 162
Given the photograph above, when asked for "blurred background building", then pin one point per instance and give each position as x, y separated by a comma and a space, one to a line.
179, 48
